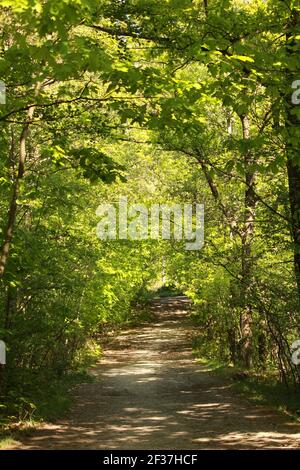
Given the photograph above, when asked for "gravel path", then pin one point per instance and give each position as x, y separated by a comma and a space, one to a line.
151, 394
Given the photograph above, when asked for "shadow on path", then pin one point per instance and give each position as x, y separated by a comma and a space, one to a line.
151, 394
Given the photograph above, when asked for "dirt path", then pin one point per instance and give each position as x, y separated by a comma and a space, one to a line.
152, 394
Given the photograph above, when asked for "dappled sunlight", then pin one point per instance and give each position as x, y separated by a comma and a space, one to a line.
151, 394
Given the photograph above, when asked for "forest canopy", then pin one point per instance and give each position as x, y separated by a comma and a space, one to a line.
168, 102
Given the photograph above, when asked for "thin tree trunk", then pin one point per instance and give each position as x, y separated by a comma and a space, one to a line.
246, 320
8, 307
292, 124
12, 211
293, 170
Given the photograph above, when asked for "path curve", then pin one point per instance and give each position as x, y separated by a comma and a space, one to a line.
151, 394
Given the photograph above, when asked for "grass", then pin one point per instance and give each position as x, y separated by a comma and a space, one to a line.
58, 400
12, 436
261, 389
45, 400
267, 391
7, 442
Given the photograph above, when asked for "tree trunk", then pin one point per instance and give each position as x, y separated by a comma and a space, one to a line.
12, 211
231, 339
293, 170
292, 125
246, 346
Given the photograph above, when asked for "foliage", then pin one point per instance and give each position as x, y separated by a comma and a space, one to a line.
165, 102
